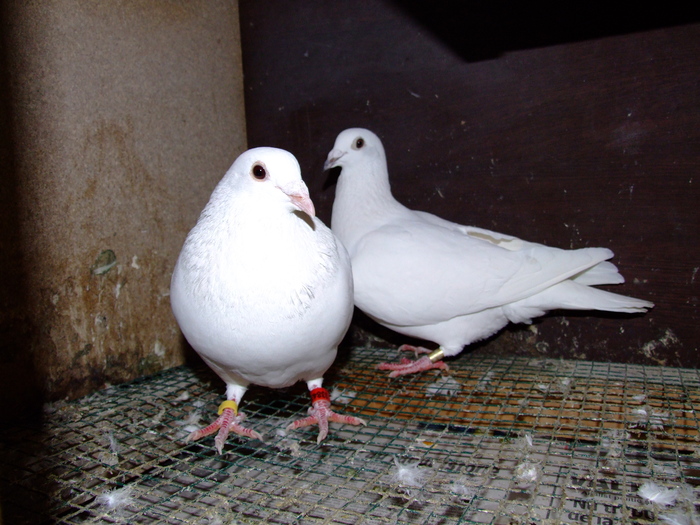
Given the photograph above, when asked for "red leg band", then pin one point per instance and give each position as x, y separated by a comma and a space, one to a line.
319, 393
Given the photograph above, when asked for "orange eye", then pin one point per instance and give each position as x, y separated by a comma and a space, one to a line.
259, 172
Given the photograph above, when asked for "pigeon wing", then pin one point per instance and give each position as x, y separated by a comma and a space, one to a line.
421, 272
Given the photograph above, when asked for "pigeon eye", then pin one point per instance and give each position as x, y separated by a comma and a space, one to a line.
358, 143
259, 172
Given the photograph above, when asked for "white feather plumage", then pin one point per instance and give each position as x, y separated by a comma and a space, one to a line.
430, 278
262, 289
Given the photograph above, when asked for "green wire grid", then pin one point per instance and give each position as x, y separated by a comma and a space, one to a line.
493, 441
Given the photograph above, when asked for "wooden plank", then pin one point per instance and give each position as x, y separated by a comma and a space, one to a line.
592, 140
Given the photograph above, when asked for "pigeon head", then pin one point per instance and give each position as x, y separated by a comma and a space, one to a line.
272, 174
355, 146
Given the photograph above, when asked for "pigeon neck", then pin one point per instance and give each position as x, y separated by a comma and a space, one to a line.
377, 195
361, 204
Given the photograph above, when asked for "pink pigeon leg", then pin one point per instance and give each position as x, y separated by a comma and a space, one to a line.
429, 362
415, 349
228, 421
320, 414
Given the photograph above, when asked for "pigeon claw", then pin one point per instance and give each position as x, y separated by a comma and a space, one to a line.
320, 414
226, 423
411, 367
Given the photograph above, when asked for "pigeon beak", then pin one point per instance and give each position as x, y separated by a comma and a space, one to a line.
333, 157
298, 193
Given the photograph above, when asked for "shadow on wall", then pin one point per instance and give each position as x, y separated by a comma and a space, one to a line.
485, 30
20, 393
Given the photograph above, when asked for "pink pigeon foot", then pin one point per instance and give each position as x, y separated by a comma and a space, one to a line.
228, 421
320, 414
406, 366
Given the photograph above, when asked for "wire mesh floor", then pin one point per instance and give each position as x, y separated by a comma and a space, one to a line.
494, 440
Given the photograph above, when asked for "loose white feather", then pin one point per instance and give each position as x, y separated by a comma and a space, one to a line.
657, 494
408, 474
117, 499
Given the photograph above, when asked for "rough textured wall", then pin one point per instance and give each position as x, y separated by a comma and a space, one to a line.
121, 118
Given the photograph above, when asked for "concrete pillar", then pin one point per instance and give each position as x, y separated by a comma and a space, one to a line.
118, 120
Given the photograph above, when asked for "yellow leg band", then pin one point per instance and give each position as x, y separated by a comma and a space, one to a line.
228, 404
436, 355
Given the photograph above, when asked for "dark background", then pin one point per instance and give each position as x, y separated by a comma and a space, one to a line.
572, 128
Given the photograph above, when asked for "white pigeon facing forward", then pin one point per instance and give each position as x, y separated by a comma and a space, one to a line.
262, 289
430, 278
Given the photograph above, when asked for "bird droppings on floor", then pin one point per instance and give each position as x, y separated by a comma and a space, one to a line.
342, 397
602, 443
444, 386
651, 348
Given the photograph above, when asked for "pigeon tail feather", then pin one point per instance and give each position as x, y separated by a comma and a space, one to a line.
572, 295
602, 273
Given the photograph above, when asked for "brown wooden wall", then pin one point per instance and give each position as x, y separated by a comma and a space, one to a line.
572, 129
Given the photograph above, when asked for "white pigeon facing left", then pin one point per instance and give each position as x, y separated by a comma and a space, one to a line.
262, 289
430, 278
